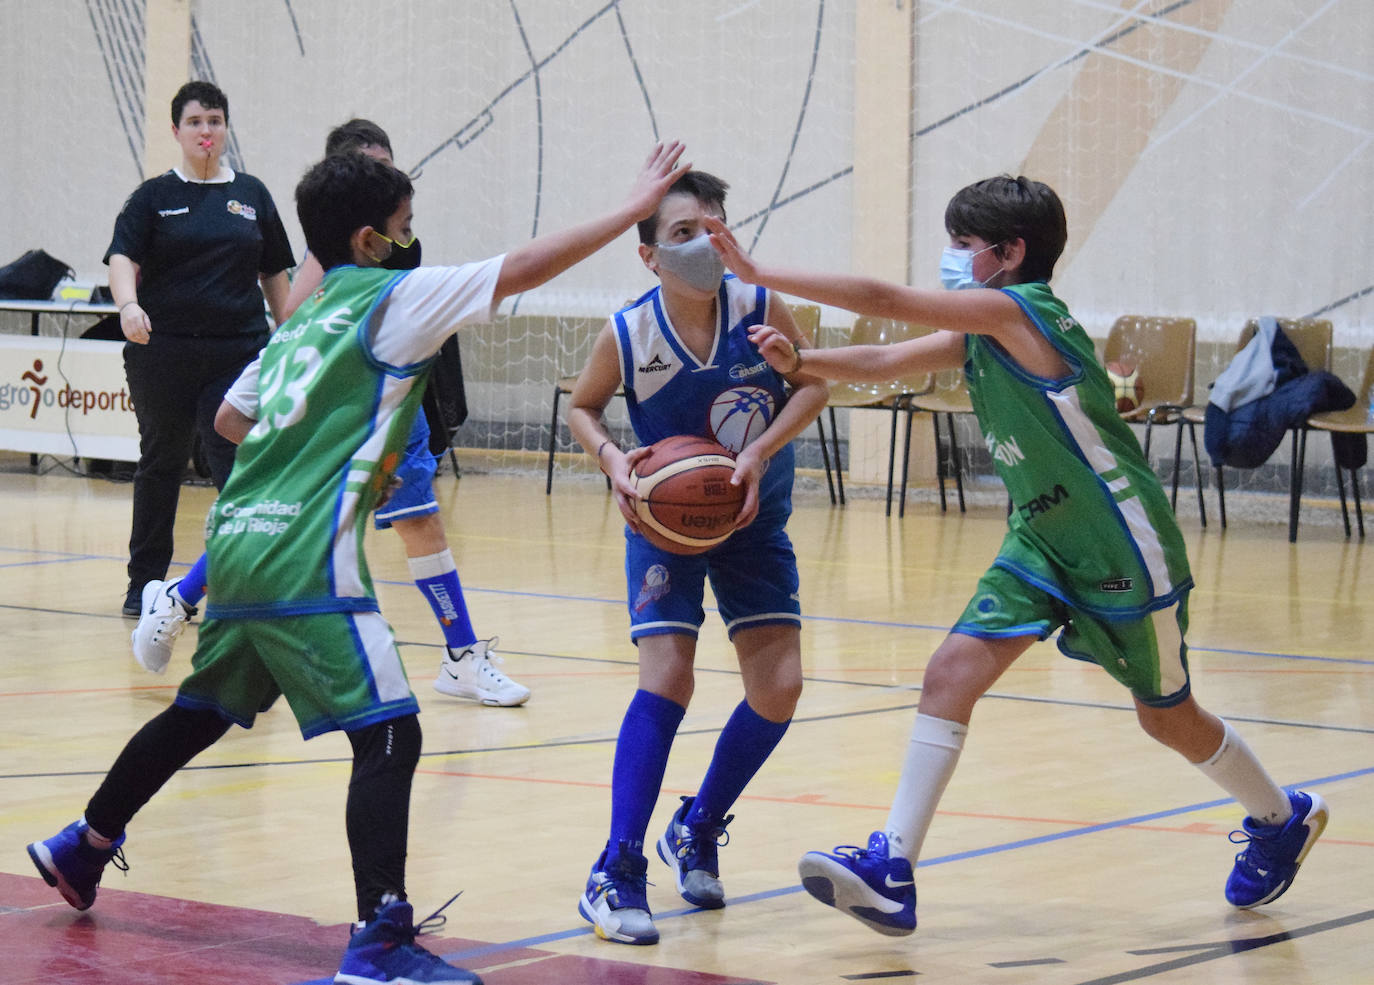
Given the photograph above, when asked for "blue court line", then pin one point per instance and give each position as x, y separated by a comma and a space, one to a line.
735, 901
620, 602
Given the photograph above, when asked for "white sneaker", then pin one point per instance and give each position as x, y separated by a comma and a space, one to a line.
471, 673
160, 622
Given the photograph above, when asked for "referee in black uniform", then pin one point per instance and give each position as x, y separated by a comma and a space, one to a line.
194, 252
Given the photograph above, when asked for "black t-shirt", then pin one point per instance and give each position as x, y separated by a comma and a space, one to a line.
200, 247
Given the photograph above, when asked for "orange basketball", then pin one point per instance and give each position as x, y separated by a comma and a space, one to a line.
1129, 391
686, 502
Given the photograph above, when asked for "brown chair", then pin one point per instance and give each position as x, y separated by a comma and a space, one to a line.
1163, 349
1312, 338
1357, 420
808, 319
888, 395
948, 395
563, 385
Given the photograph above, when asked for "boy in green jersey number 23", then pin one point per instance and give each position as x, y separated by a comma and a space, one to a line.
292, 609
1092, 551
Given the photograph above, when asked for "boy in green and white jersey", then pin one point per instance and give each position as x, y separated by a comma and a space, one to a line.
1093, 549
292, 607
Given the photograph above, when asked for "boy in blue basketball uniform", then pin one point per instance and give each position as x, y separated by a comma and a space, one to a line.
683, 356
1104, 565
468, 668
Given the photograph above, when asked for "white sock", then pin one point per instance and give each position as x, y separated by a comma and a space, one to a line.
97, 840
931, 755
431, 565
1234, 768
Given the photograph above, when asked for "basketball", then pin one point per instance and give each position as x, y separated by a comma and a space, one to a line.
1126, 385
686, 502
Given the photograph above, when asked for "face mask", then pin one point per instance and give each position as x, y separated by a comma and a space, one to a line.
695, 262
956, 268
403, 257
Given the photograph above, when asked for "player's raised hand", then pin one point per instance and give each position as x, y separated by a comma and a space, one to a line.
660, 170
776, 348
741, 264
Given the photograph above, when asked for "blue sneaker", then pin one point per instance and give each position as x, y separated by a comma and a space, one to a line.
1269, 863
383, 951
691, 850
873, 888
615, 901
68, 862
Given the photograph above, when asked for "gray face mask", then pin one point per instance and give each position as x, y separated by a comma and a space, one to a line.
694, 262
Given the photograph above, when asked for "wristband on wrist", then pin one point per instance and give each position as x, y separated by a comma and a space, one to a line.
602, 447
796, 351
126, 304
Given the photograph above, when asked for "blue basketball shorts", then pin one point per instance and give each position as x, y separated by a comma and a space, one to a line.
415, 497
1147, 654
753, 576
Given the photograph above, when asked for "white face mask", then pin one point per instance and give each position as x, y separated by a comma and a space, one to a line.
694, 262
956, 268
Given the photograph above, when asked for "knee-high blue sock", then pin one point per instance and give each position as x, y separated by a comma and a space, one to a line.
436, 576
744, 744
641, 756
192, 585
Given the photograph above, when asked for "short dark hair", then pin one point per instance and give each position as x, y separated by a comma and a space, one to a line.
207, 94
340, 195
354, 135
1000, 209
701, 185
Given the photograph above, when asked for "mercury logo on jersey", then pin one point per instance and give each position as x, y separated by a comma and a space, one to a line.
655, 365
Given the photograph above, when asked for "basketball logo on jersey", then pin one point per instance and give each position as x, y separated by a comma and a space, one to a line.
656, 584
740, 415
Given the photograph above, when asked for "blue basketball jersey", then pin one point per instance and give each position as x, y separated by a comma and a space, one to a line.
730, 398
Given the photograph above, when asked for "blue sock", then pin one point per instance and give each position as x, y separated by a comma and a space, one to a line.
192, 587
641, 757
744, 744
436, 576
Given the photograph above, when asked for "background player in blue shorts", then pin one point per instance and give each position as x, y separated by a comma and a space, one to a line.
468, 669
682, 354
292, 612
1104, 564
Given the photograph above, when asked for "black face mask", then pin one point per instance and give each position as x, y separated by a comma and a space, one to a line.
403, 258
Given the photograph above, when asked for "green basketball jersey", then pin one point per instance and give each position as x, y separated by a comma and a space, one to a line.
1090, 523
285, 536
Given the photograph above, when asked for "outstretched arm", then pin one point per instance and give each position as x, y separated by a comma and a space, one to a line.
542, 259
862, 363
973, 312
958, 311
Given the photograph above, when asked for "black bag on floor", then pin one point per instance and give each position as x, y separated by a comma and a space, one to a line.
33, 277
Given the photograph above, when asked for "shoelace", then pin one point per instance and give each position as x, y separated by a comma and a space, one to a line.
1254, 856
702, 833
431, 924
118, 861
851, 851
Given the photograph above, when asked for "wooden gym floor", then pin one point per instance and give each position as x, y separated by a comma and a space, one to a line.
1069, 848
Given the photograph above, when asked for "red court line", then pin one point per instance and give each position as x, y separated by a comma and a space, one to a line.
140, 939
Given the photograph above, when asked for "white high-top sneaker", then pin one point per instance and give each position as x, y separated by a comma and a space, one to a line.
471, 673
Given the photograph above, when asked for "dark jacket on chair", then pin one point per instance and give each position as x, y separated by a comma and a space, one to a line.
1246, 435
